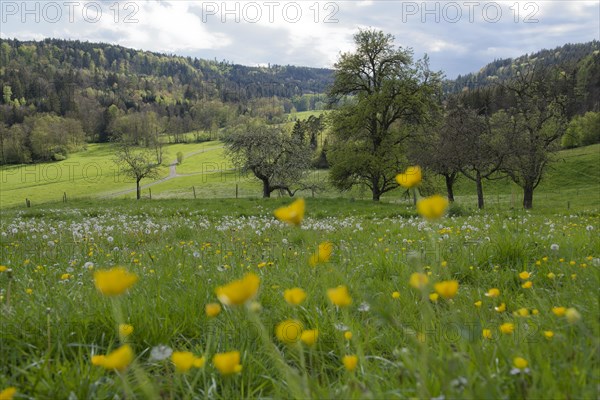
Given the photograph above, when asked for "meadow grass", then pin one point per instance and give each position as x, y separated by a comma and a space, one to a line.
54, 320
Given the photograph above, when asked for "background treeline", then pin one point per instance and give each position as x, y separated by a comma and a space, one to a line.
581, 62
111, 90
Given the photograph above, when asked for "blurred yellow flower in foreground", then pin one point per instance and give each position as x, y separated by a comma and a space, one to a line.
410, 178
487, 333
114, 281
572, 315
125, 330
239, 291
212, 309
228, 363
507, 328
119, 359
432, 207
294, 296
524, 275
527, 285
350, 362
559, 311
322, 255
418, 280
548, 334
309, 336
289, 331
185, 360
339, 296
8, 393
446, 289
520, 363
292, 214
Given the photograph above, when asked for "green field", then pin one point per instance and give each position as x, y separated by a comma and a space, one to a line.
407, 345
570, 184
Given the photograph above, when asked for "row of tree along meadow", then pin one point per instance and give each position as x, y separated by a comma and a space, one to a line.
389, 111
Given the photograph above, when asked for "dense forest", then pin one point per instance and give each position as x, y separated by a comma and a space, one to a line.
58, 95
580, 62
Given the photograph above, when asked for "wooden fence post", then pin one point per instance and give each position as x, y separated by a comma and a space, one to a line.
194, 190
150, 192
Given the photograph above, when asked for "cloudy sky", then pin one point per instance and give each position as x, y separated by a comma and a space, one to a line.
458, 36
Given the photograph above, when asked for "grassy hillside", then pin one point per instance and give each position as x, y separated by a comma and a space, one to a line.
572, 181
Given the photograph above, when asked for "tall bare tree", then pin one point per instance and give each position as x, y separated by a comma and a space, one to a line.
532, 126
279, 160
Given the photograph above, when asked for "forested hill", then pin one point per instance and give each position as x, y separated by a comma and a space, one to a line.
582, 59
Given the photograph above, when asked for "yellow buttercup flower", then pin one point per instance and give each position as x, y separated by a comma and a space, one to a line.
493, 292
478, 303
432, 207
309, 337
239, 291
294, 296
350, 362
559, 311
434, 297
185, 360
527, 285
507, 328
212, 309
418, 280
292, 214
114, 281
410, 178
289, 331
228, 363
524, 275
3, 268
8, 393
548, 334
522, 312
520, 363
551, 275
446, 289
339, 296
487, 333
396, 295
322, 255
125, 330
119, 359
500, 308
348, 335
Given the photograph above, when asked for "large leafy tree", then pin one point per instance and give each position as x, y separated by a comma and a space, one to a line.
279, 160
381, 94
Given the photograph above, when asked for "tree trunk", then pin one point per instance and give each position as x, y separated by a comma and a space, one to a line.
266, 189
528, 196
450, 188
138, 189
480, 203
